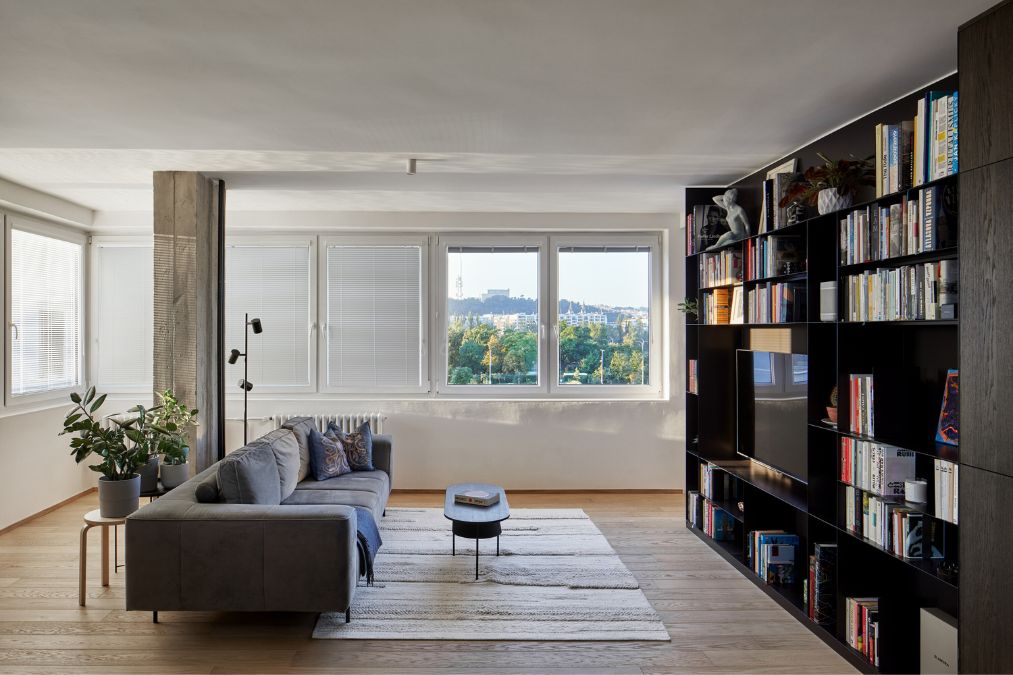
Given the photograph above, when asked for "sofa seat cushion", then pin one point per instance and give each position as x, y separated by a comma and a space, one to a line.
364, 498
377, 482
250, 476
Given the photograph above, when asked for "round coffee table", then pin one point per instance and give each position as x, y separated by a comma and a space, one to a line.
475, 522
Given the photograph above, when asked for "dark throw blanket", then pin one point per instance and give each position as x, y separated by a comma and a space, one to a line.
369, 542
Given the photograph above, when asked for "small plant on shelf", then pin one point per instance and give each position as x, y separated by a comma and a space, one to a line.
688, 307
832, 186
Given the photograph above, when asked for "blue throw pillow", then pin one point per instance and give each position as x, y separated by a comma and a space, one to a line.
327, 455
358, 446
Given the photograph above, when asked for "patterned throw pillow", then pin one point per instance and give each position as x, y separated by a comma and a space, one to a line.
358, 446
327, 455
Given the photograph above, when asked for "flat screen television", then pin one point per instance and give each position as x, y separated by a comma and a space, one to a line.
772, 410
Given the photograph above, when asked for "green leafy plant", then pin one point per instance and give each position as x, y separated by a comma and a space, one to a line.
847, 176
688, 307
170, 420
122, 446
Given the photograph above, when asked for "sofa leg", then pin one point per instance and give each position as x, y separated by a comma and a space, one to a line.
154, 616
348, 615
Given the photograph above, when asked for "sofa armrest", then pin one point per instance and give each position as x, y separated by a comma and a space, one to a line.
383, 455
241, 557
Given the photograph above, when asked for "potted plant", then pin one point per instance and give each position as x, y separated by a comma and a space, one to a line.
121, 446
832, 186
171, 419
688, 307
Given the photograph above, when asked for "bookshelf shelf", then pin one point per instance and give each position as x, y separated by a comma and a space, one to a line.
797, 276
897, 261
918, 507
730, 284
926, 323
927, 567
950, 453
909, 361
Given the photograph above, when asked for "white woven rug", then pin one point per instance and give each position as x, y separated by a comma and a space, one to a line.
556, 578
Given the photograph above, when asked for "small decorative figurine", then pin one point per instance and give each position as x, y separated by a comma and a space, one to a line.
738, 221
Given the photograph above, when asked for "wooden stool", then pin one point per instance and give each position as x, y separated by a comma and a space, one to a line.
95, 519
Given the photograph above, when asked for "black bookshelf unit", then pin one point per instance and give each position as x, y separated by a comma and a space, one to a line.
909, 360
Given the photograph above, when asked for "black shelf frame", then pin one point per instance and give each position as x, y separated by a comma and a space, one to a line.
812, 505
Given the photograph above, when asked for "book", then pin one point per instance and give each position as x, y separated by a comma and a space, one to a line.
948, 428
736, 310
477, 497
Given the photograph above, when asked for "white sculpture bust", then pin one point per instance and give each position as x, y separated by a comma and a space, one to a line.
736, 217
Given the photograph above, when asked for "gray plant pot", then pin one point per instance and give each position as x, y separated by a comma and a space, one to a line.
119, 498
149, 475
174, 475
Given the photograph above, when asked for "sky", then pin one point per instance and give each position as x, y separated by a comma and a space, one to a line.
619, 279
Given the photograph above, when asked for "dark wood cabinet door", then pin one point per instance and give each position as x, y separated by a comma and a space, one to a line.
986, 594
986, 317
986, 97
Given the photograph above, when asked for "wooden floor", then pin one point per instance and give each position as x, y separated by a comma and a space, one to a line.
719, 622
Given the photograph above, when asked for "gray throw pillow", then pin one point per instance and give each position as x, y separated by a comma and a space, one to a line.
301, 427
206, 491
358, 445
286, 454
250, 476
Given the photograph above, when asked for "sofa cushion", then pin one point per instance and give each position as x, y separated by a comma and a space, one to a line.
369, 481
358, 446
327, 455
283, 444
301, 427
206, 491
250, 476
364, 498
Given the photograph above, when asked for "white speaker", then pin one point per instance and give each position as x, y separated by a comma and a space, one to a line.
828, 301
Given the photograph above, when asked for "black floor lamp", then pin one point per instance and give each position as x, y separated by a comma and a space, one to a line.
234, 355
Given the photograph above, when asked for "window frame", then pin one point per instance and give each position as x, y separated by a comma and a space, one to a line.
653, 389
26, 224
232, 392
504, 240
378, 240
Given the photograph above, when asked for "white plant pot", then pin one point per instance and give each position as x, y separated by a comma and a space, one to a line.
119, 498
174, 475
829, 201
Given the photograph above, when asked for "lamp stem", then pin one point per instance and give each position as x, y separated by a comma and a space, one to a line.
246, 372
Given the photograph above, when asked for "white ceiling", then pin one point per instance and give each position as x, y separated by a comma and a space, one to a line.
532, 105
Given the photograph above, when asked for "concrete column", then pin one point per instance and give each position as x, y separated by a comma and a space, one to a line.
189, 285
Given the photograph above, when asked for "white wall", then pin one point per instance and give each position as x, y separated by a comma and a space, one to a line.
522, 444
36, 469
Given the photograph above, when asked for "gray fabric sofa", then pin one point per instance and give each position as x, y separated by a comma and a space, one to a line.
290, 547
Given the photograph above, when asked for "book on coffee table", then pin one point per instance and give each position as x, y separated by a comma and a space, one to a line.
477, 497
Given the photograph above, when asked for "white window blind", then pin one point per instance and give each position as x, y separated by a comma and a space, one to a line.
45, 311
272, 283
123, 318
374, 316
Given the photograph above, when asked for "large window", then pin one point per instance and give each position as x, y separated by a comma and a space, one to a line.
271, 281
122, 322
44, 311
604, 315
493, 318
373, 309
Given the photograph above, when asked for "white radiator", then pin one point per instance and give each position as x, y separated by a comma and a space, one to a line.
348, 422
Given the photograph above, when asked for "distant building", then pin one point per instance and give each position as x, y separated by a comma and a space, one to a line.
584, 318
493, 292
515, 321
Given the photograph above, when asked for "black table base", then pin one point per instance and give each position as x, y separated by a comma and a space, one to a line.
474, 531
